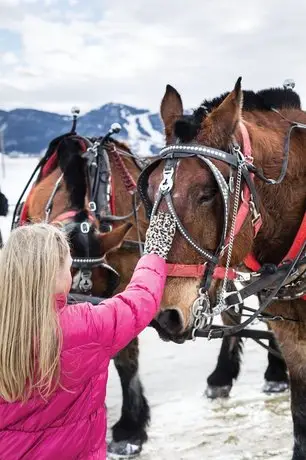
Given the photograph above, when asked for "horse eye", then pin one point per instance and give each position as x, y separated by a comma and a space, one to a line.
207, 195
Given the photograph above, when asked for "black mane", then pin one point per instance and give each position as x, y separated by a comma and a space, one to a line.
279, 98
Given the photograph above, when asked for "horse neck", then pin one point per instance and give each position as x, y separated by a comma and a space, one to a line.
283, 205
42, 192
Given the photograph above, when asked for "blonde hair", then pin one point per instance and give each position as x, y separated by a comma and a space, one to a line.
30, 336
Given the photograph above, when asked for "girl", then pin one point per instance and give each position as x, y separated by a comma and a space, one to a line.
54, 357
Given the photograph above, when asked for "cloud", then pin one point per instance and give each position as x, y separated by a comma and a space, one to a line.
73, 52
8, 59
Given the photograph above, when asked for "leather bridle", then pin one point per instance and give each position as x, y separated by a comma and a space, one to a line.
241, 187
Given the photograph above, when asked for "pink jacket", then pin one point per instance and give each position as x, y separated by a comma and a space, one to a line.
72, 424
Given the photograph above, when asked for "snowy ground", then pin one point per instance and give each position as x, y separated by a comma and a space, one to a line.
185, 425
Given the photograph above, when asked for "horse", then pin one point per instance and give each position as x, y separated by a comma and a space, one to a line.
220, 381
232, 175
88, 188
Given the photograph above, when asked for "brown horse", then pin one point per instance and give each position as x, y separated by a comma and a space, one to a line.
63, 194
238, 198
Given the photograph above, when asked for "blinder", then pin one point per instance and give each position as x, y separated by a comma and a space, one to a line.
85, 264
143, 184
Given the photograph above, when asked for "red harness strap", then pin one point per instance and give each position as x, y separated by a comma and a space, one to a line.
197, 271
244, 208
68, 215
126, 177
251, 262
25, 209
112, 198
50, 165
298, 241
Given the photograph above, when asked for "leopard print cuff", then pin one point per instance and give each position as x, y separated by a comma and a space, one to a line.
160, 235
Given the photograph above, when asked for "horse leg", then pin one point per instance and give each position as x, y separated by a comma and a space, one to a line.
298, 409
220, 382
129, 433
291, 337
276, 377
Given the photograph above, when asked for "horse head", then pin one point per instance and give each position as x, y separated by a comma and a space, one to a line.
205, 179
64, 198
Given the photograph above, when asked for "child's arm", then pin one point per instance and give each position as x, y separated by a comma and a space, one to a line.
119, 319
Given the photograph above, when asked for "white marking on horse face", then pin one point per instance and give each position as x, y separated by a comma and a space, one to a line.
76, 280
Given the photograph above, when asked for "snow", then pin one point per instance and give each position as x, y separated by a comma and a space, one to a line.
185, 425
137, 140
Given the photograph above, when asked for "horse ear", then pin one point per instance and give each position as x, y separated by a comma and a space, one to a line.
114, 239
171, 109
228, 113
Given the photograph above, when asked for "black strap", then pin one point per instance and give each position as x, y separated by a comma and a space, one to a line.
143, 183
260, 173
224, 331
17, 207
251, 185
191, 150
244, 333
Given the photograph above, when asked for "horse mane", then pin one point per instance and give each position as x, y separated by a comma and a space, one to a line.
187, 127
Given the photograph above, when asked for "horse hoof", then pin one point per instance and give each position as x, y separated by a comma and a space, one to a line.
123, 450
275, 387
218, 392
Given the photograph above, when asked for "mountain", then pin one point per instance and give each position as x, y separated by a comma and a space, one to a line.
29, 131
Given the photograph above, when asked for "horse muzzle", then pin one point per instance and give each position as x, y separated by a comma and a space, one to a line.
169, 325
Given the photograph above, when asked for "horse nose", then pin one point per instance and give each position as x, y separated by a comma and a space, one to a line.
171, 321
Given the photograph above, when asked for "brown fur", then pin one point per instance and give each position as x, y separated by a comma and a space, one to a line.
122, 260
282, 209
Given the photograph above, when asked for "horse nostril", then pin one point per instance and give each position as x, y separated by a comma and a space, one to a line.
171, 321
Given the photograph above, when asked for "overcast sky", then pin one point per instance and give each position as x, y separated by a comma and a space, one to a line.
59, 53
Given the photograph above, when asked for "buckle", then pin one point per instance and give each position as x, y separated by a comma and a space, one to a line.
256, 214
85, 227
167, 182
243, 276
92, 206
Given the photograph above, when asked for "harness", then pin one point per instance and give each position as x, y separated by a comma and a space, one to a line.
101, 204
287, 280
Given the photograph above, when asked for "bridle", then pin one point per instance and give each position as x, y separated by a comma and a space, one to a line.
245, 203
83, 283
69, 223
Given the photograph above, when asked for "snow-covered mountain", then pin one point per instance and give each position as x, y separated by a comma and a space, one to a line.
30, 131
